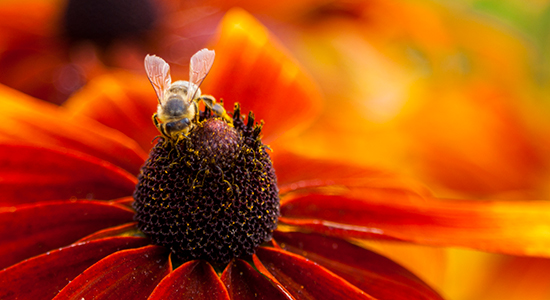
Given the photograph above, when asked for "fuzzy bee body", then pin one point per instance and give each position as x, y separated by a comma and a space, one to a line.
177, 109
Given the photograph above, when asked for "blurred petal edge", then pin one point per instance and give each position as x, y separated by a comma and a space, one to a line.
252, 68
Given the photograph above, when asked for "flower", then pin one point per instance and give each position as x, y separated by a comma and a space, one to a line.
68, 174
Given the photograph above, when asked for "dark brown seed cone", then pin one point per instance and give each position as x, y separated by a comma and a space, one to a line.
212, 196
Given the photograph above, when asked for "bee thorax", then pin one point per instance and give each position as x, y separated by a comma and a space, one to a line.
182, 87
176, 108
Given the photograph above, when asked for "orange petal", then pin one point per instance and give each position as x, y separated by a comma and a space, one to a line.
25, 119
324, 172
473, 139
17, 21
511, 227
517, 278
120, 100
128, 229
34, 58
252, 68
475, 275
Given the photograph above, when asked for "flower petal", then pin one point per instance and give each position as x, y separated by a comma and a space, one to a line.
32, 173
42, 277
28, 230
507, 277
305, 279
243, 282
129, 274
126, 201
313, 170
129, 229
25, 119
511, 227
193, 280
17, 21
323, 172
122, 101
253, 69
498, 150
373, 273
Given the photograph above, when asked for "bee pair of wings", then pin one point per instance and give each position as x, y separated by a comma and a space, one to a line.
158, 72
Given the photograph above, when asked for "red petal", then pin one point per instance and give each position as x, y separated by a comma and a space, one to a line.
28, 230
253, 69
316, 169
371, 272
28, 120
122, 101
118, 231
512, 227
42, 277
33, 173
129, 274
322, 172
193, 280
243, 282
305, 279
126, 201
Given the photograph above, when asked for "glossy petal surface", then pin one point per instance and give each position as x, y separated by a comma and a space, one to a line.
193, 280
253, 69
28, 120
122, 101
42, 277
126, 201
512, 227
305, 279
33, 173
28, 230
243, 282
371, 272
117, 231
315, 172
129, 274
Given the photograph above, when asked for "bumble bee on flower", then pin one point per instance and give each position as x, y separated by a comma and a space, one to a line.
208, 189
177, 111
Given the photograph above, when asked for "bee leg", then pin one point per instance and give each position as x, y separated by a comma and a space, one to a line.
216, 108
160, 126
196, 117
155, 120
155, 138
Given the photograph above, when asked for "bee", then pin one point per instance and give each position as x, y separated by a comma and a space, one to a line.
177, 109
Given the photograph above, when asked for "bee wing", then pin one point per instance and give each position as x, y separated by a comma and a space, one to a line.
158, 72
201, 63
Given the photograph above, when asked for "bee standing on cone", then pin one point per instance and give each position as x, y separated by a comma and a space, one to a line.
178, 108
